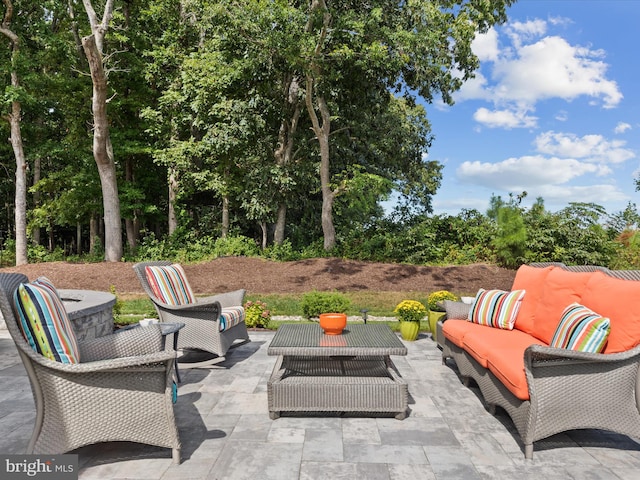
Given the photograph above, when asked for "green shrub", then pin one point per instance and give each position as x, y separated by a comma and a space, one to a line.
314, 303
256, 314
236, 246
281, 253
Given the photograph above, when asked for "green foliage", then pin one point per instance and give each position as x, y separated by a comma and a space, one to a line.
314, 303
282, 253
435, 298
510, 241
189, 247
257, 314
117, 307
235, 246
38, 253
8, 253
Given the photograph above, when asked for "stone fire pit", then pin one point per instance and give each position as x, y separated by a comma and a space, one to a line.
90, 312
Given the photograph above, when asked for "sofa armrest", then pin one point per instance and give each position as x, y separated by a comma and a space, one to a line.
570, 389
540, 355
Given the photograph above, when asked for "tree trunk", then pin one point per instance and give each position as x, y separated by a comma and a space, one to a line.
130, 223
102, 153
173, 188
284, 151
322, 134
323, 130
225, 216
35, 233
265, 234
93, 233
78, 238
281, 221
16, 143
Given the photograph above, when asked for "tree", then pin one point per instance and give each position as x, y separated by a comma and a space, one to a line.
510, 241
93, 46
419, 48
14, 117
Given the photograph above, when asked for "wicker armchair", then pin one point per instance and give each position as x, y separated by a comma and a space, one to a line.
201, 319
120, 391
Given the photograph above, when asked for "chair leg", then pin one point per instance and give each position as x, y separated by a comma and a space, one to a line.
175, 455
528, 451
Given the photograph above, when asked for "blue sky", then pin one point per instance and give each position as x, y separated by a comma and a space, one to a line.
554, 110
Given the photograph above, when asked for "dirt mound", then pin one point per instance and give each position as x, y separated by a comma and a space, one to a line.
257, 275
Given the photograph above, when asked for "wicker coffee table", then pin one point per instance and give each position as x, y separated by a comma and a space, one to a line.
351, 372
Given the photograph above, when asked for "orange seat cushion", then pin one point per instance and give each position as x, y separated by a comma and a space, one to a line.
617, 300
561, 288
508, 366
531, 280
489, 342
455, 330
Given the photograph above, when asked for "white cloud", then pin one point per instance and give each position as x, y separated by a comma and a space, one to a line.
563, 194
533, 67
524, 173
622, 127
485, 46
561, 21
592, 148
552, 68
474, 88
504, 118
522, 31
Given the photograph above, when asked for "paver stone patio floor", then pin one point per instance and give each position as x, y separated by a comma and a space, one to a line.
226, 432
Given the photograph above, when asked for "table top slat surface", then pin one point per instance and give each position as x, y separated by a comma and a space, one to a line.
356, 339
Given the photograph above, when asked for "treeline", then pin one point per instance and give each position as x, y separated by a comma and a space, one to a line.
174, 120
507, 234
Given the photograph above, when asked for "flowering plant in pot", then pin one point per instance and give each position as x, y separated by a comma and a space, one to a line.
435, 303
410, 312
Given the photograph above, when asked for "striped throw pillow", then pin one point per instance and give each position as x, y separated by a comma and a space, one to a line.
231, 316
496, 308
44, 322
581, 329
169, 284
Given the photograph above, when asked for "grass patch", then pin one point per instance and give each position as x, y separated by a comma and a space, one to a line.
378, 304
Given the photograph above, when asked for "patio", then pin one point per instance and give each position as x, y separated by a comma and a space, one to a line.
226, 432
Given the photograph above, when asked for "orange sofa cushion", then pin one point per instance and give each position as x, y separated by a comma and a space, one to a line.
455, 330
530, 279
484, 343
508, 366
561, 288
617, 300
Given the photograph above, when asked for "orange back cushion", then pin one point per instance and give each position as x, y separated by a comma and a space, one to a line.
530, 279
561, 288
617, 300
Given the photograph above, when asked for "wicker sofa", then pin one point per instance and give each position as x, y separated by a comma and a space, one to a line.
547, 390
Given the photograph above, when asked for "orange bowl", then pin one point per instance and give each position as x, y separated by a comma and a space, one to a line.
333, 323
